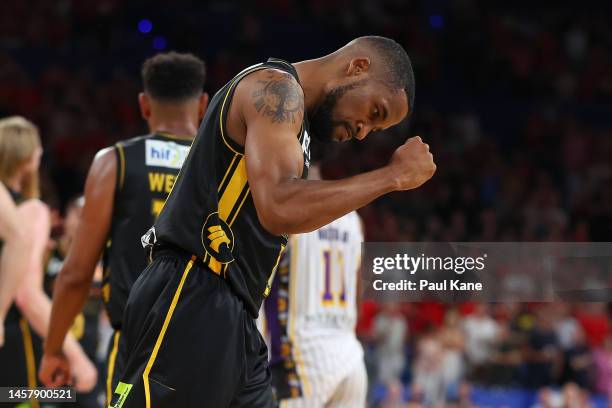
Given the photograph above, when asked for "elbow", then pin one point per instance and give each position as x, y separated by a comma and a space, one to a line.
274, 225
69, 280
275, 220
25, 300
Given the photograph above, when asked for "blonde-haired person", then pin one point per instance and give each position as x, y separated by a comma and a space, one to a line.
20, 153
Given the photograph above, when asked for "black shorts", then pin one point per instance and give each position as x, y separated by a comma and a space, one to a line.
190, 342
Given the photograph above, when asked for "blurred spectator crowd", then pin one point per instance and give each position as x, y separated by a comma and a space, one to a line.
450, 354
515, 101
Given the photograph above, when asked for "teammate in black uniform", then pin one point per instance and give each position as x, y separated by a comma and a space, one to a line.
125, 190
28, 317
190, 333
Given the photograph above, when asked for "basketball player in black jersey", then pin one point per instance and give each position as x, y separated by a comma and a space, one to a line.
190, 334
125, 190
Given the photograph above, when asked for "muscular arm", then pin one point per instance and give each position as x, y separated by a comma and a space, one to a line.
74, 280
13, 260
272, 108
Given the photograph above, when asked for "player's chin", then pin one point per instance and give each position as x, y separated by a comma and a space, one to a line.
340, 134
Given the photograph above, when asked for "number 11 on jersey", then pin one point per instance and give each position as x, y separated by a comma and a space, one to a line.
333, 267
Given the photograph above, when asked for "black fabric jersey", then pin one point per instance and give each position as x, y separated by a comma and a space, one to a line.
13, 315
211, 213
146, 169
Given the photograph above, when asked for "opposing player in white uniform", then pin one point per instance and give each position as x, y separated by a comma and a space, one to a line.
310, 316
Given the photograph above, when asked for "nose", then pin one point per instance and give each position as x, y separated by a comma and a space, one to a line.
362, 131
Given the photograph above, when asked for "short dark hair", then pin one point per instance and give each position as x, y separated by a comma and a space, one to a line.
173, 76
396, 66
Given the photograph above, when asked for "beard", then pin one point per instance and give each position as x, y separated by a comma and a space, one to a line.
322, 123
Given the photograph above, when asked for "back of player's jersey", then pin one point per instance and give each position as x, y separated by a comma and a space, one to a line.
146, 169
326, 264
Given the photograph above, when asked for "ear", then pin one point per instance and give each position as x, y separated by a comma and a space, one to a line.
203, 104
145, 105
358, 66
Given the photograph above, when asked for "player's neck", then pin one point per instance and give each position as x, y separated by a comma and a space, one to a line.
176, 127
312, 81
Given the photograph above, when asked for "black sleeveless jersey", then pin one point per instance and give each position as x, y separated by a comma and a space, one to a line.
211, 213
13, 314
146, 169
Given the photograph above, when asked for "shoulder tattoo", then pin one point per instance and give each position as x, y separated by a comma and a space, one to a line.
279, 98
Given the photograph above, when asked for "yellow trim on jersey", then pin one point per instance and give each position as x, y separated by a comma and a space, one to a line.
106, 292
229, 89
235, 185
297, 355
28, 348
121, 166
227, 172
239, 207
271, 278
228, 202
112, 358
162, 333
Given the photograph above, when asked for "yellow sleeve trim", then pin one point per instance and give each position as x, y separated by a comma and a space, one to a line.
121, 168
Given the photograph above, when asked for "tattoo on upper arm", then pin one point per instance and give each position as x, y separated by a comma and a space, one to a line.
279, 98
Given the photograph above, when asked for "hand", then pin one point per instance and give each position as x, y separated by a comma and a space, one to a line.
411, 164
85, 375
54, 370
1, 333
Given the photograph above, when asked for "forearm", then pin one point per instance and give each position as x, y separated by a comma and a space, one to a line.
13, 266
69, 296
305, 205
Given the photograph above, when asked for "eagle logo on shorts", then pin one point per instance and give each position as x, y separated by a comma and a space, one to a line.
218, 238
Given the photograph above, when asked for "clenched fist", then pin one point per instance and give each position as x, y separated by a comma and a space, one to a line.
58, 370
54, 371
411, 164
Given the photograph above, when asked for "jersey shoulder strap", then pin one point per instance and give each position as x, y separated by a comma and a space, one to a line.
121, 148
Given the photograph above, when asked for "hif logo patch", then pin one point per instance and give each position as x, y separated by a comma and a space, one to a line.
165, 154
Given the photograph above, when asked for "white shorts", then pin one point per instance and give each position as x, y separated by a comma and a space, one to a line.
350, 392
